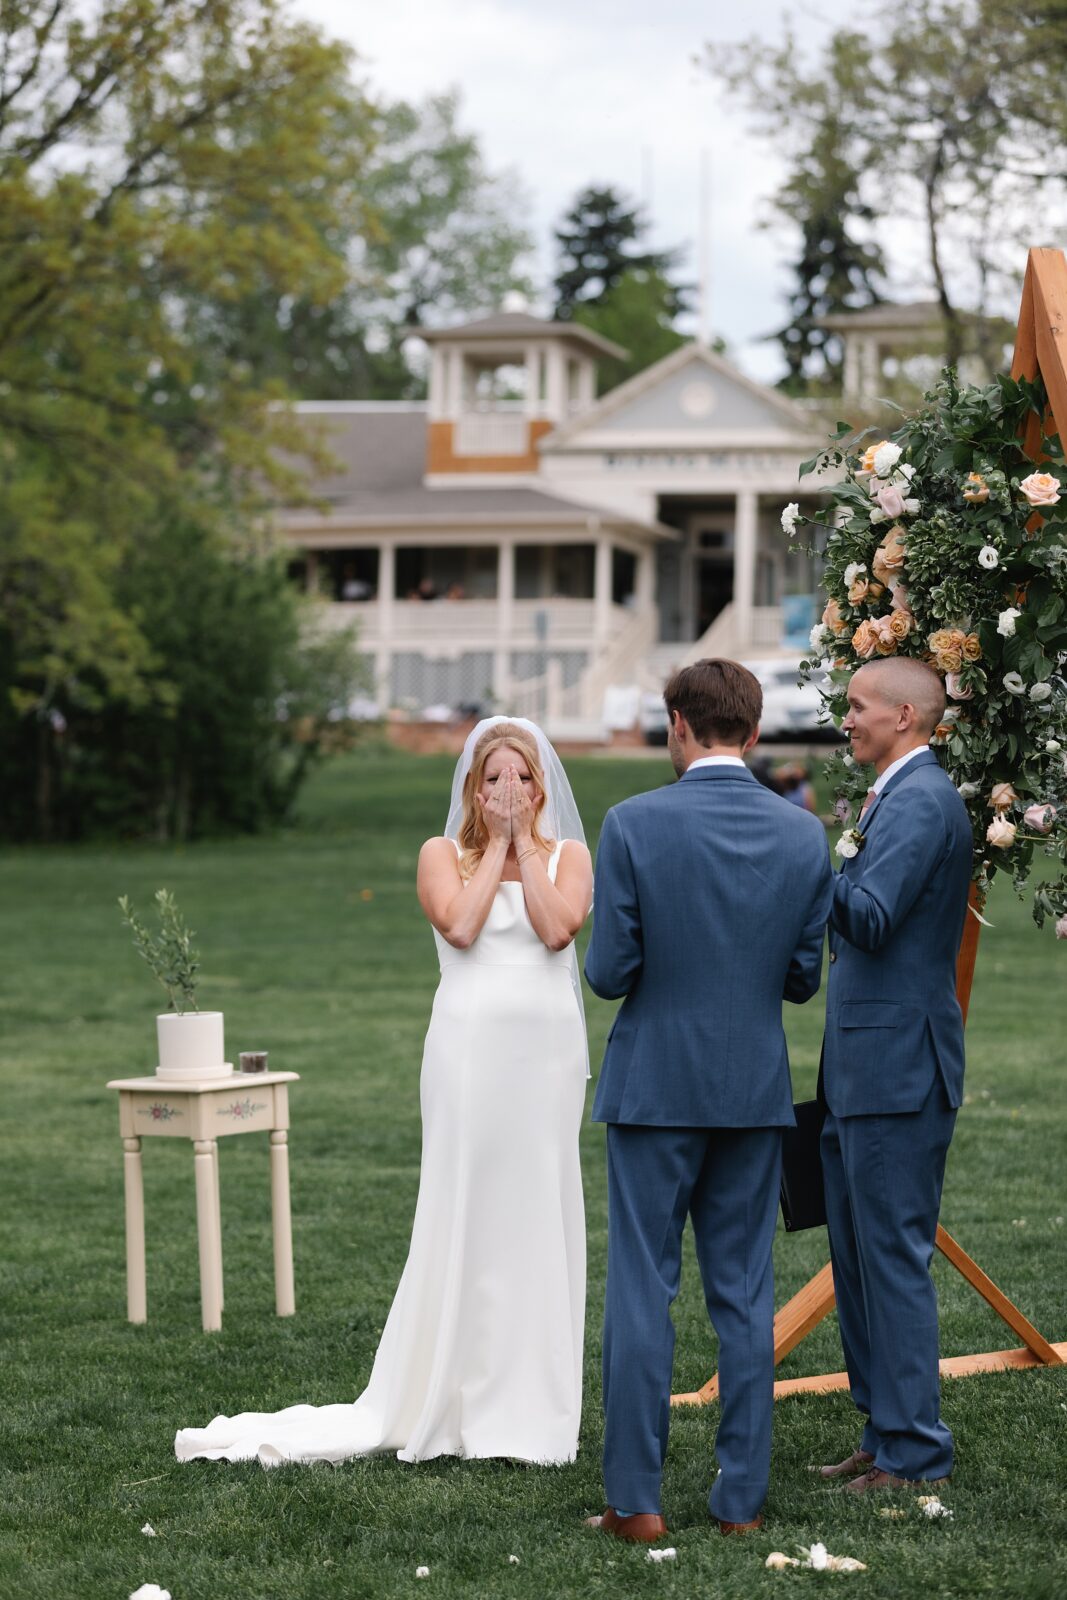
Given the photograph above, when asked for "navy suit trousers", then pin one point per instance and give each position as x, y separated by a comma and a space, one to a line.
883, 1177
727, 1180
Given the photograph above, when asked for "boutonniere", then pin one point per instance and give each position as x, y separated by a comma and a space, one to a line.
850, 843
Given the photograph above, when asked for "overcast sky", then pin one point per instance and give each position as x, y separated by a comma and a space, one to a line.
572, 92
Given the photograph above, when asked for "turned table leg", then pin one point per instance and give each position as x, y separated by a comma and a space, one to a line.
209, 1233
218, 1217
136, 1283
284, 1292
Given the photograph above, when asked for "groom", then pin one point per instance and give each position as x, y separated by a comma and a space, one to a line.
710, 906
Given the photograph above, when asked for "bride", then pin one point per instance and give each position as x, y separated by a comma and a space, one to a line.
481, 1354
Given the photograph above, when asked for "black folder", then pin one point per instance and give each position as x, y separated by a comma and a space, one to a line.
803, 1202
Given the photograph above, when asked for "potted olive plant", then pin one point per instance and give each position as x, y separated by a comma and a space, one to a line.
190, 1041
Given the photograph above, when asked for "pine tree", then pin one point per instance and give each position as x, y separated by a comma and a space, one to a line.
596, 247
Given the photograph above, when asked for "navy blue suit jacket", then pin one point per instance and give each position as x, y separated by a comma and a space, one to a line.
893, 1022
710, 906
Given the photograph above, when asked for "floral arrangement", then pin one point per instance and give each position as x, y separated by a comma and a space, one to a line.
945, 543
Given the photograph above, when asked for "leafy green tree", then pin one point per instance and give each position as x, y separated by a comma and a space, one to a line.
158, 164
597, 239
638, 314
951, 114
833, 269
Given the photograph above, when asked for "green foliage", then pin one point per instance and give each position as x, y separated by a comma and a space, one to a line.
946, 110
637, 314
169, 954
834, 270
976, 584
596, 240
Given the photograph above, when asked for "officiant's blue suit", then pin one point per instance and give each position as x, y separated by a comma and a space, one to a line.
892, 1080
710, 906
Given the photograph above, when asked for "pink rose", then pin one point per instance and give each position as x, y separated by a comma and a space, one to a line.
891, 500
1001, 833
1061, 928
955, 689
1040, 818
901, 602
1041, 489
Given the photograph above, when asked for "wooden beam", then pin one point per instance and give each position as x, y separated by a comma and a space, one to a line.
1049, 270
1040, 1348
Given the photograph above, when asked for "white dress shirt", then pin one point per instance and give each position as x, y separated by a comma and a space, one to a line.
715, 761
895, 766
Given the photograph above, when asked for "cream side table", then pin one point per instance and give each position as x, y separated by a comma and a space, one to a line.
206, 1110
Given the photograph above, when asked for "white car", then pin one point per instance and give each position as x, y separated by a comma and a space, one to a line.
791, 709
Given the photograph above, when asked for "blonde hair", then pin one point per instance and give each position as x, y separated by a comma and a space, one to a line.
473, 833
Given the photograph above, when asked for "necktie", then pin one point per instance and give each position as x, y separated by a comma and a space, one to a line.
867, 804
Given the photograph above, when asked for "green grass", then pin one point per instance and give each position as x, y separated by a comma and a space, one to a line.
338, 987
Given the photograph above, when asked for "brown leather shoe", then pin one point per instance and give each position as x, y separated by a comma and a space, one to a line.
874, 1479
740, 1527
858, 1461
645, 1527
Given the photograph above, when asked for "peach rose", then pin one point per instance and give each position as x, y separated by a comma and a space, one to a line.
1041, 489
901, 600
900, 624
947, 648
955, 689
886, 642
1001, 833
865, 641
858, 591
1002, 796
833, 619
971, 648
890, 555
975, 489
1040, 818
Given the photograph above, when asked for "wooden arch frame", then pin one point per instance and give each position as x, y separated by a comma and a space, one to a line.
1040, 350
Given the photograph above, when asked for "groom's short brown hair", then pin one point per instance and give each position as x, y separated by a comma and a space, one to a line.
721, 700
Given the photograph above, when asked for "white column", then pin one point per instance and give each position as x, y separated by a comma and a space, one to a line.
556, 385
505, 621
851, 381
745, 535
602, 591
438, 396
646, 580
531, 403
383, 658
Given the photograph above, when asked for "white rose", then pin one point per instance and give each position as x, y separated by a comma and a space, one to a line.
820, 637
878, 515
908, 471
988, 557
847, 847
789, 518
1013, 683
1041, 691
966, 791
913, 506
885, 459
1006, 622
150, 1591
1053, 746
852, 572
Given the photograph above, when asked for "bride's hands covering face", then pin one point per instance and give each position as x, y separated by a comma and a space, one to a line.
497, 808
522, 806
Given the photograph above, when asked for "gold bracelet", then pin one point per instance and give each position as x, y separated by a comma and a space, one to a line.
526, 853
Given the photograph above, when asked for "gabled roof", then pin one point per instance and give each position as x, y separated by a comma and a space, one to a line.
912, 316
795, 418
520, 325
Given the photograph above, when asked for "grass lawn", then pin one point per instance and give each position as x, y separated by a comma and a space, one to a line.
314, 946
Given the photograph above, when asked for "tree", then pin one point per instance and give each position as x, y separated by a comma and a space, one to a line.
157, 166
951, 115
595, 250
636, 313
833, 270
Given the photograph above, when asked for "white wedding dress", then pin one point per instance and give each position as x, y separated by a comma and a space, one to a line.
481, 1354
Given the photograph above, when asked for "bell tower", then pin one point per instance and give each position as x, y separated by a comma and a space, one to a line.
498, 385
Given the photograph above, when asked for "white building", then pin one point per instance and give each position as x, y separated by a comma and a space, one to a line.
516, 542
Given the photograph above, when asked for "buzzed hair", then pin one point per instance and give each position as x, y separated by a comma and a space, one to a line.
900, 679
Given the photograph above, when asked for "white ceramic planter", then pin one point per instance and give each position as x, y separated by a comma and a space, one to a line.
191, 1046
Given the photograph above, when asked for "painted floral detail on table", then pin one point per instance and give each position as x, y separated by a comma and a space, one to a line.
159, 1111
943, 543
241, 1110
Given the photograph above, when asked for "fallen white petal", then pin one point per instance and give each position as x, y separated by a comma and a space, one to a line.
932, 1506
894, 1513
818, 1557
670, 1554
513, 1561
422, 1572
845, 1564
779, 1562
150, 1591
148, 1531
